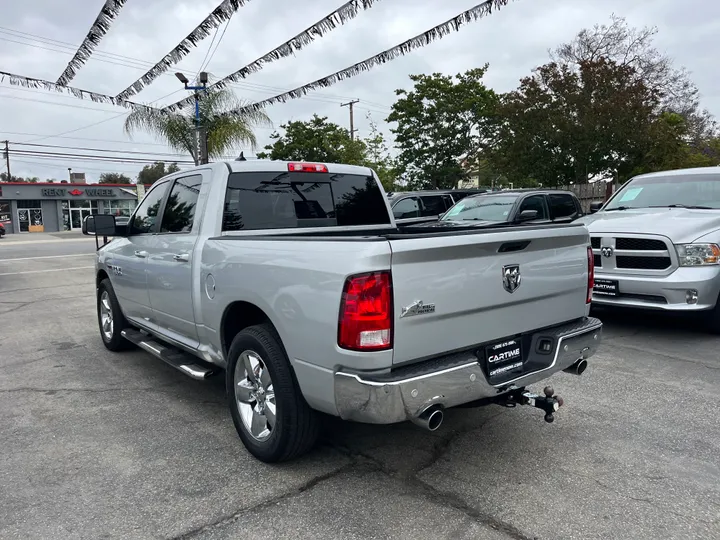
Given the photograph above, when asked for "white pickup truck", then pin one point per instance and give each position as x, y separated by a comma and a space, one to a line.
293, 281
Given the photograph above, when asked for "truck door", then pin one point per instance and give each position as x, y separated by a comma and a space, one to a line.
127, 261
170, 261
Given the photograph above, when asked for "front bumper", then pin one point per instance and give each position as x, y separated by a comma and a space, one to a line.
667, 293
453, 380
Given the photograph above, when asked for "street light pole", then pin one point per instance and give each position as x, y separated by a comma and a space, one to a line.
201, 152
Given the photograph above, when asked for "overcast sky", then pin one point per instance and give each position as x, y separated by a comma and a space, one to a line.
513, 41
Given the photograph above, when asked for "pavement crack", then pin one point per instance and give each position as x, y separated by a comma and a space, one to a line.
271, 501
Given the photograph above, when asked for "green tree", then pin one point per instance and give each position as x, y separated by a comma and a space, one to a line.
152, 173
377, 157
315, 140
114, 178
5, 178
222, 116
562, 125
634, 47
440, 123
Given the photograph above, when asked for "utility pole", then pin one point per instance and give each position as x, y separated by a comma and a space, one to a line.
201, 152
352, 124
7, 160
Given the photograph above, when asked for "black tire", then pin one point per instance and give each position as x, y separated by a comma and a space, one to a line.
712, 319
296, 426
115, 342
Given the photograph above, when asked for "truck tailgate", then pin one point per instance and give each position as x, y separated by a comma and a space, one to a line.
462, 275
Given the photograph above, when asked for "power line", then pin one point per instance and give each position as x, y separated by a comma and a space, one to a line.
89, 157
217, 46
98, 149
346, 12
8, 96
62, 163
241, 85
220, 14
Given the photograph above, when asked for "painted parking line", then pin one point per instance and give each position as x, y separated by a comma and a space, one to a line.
47, 257
26, 242
41, 271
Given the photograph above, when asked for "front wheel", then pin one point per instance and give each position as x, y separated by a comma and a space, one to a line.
270, 413
110, 318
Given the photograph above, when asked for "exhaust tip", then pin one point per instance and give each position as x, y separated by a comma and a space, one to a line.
581, 366
435, 419
578, 367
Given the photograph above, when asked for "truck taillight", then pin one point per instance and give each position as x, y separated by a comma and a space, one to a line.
366, 313
591, 274
307, 167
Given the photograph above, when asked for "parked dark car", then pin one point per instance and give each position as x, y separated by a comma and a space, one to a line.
513, 206
422, 206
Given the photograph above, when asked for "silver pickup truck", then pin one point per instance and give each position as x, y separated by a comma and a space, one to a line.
293, 281
657, 244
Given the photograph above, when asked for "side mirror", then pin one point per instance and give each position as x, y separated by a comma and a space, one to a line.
595, 206
527, 215
440, 216
99, 225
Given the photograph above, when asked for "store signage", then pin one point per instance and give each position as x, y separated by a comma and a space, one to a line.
99, 192
90, 192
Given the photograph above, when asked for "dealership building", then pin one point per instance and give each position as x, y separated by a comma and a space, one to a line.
53, 207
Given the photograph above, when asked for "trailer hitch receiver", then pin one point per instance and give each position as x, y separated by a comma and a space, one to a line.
549, 402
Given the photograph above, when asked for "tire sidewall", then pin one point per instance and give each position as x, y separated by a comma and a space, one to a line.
269, 449
117, 342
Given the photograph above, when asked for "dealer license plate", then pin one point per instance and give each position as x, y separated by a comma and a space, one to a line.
606, 287
503, 357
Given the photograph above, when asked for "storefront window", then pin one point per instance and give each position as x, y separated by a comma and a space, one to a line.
120, 208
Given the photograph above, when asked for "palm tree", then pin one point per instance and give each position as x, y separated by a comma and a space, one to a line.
224, 132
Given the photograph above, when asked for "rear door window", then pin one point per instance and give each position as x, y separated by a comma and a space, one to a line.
562, 206
287, 200
433, 205
537, 203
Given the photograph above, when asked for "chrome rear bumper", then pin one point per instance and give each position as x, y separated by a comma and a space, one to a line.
447, 382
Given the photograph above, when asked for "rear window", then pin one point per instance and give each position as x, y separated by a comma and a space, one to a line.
271, 200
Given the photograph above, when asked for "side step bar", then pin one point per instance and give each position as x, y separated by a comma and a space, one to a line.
186, 363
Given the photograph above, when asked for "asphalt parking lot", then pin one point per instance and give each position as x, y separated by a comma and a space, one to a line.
95, 444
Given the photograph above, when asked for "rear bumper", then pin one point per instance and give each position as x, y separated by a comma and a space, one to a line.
451, 381
667, 293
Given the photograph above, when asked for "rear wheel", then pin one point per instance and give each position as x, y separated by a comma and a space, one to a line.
269, 412
110, 318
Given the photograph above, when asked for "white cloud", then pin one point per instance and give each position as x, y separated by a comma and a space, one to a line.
512, 40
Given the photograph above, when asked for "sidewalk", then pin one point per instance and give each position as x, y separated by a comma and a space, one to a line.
33, 238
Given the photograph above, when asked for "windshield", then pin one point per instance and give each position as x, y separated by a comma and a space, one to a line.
482, 208
668, 191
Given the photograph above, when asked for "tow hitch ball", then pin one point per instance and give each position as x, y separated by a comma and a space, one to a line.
549, 403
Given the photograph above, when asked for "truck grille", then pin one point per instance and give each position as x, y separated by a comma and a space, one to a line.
628, 253
642, 263
639, 244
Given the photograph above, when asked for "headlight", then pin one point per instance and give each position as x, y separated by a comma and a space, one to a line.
698, 254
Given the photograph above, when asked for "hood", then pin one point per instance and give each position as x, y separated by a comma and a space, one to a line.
681, 225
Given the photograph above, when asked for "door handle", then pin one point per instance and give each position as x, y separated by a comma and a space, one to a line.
181, 257
141, 254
